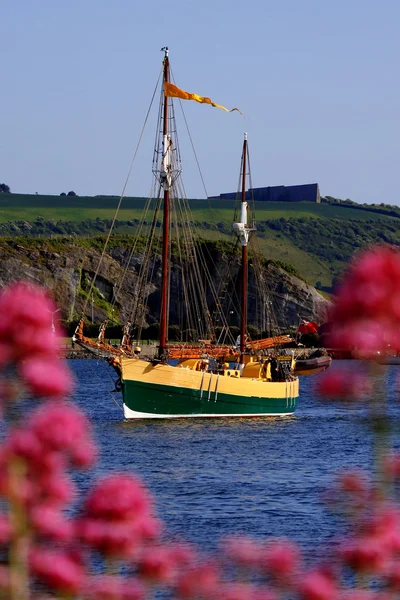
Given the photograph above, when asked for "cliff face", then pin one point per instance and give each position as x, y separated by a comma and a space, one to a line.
66, 267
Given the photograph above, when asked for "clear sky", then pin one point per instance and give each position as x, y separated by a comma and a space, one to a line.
317, 80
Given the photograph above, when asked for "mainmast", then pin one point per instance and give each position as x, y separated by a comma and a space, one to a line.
167, 169
243, 231
165, 176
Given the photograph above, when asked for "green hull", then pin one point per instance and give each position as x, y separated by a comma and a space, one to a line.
149, 400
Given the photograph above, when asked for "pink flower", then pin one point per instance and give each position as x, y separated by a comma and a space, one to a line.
55, 490
158, 564
316, 585
116, 540
26, 323
84, 454
52, 524
32, 340
342, 385
353, 482
58, 569
117, 517
24, 444
61, 427
392, 575
46, 378
391, 465
242, 550
113, 587
5, 530
365, 554
24, 304
119, 497
200, 581
365, 315
281, 558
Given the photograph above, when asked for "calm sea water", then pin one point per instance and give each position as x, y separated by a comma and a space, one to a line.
262, 477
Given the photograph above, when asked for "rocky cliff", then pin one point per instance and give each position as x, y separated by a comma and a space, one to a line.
67, 266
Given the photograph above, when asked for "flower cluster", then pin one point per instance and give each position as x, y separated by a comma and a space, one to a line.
365, 316
28, 342
364, 320
110, 545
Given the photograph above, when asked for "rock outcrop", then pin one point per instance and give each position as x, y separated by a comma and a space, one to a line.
67, 266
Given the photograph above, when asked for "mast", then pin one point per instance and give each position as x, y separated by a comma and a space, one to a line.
243, 231
166, 182
243, 218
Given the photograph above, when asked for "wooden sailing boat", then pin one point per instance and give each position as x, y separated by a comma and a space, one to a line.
193, 387
198, 384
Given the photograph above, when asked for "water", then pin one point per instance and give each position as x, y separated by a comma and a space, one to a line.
211, 477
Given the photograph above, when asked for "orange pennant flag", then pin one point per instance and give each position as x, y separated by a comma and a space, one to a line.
171, 91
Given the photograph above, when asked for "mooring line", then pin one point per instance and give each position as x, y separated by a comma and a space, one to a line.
108, 392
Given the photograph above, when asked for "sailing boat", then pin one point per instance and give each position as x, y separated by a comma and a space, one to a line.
201, 386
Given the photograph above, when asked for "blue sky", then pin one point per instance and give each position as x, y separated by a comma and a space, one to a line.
317, 81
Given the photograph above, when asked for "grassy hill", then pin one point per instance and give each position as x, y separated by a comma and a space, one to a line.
317, 239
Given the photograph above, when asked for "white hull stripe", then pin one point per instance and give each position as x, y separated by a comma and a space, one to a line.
133, 414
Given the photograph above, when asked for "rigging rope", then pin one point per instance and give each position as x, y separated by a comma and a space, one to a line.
120, 199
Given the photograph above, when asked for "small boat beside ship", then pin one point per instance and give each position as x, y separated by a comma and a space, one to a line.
312, 363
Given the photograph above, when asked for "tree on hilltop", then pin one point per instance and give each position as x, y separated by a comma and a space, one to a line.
4, 188
71, 194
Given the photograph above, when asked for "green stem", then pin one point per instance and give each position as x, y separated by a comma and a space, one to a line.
19, 546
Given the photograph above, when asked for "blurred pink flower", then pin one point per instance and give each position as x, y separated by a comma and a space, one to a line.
341, 384
352, 491
242, 550
158, 564
113, 539
391, 465
55, 489
365, 314
316, 585
25, 444
281, 558
61, 427
58, 570
23, 304
26, 323
5, 529
202, 581
364, 554
119, 497
33, 341
84, 454
46, 378
113, 587
50, 523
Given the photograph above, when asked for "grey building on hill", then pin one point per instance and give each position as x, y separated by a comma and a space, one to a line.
308, 192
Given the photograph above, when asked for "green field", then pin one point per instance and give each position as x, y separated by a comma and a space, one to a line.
317, 239
16, 207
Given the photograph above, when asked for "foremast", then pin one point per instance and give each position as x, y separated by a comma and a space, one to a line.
243, 230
